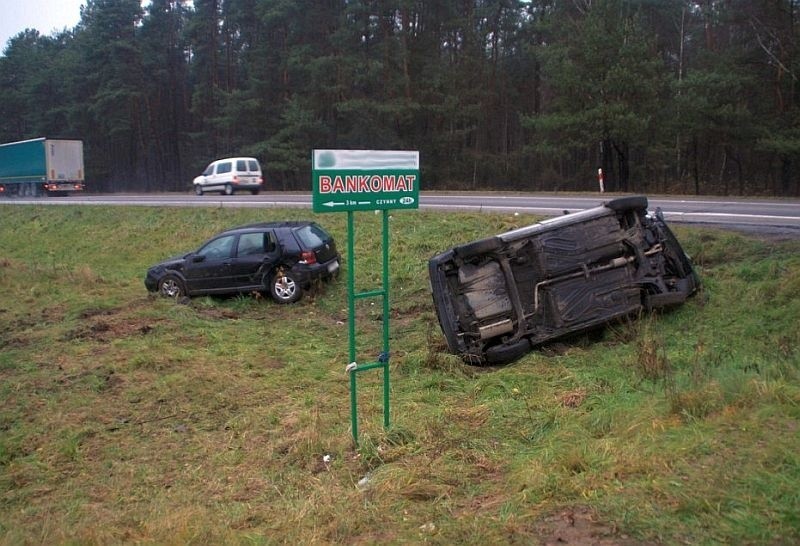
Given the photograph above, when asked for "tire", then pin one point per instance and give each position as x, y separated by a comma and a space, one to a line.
284, 287
171, 286
503, 354
254, 192
479, 247
228, 189
198, 189
627, 203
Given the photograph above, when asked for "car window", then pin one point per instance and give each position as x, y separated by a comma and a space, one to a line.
253, 166
218, 249
251, 243
257, 243
241, 165
312, 236
209, 170
224, 168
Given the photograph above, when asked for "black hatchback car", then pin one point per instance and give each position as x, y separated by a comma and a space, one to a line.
498, 297
282, 258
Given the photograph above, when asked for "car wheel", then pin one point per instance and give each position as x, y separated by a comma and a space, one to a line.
254, 192
228, 189
171, 286
505, 353
284, 287
198, 189
627, 203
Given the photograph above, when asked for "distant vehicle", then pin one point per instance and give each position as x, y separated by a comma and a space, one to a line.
230, 175
281, 258
498, 297
41, 166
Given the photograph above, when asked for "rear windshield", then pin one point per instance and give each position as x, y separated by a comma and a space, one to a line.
253, 166
312, 236
241, 165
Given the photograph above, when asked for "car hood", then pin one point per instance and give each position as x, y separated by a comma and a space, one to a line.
176, 262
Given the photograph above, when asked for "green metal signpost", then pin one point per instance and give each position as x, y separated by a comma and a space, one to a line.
363, 180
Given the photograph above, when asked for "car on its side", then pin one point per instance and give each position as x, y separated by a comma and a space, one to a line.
280, 258
230, 175
498, 297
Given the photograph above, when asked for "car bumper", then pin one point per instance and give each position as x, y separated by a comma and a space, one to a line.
151, 282
244, 186
309, 273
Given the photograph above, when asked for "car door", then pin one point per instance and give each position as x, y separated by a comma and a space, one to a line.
241, 172
209, 269
256, 253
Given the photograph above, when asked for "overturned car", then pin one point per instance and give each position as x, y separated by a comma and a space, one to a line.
498, 297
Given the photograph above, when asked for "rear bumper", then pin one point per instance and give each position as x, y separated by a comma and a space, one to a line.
443, 303
65, 186
307, 274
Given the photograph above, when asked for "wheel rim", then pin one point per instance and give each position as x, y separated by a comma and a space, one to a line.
285, 287
198, 190
228, 190
170, 288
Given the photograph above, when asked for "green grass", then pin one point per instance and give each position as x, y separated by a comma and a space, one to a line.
129, 418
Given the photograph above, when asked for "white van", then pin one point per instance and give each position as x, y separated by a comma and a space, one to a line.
230, 175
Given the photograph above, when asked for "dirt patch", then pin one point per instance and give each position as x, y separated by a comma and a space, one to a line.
581, 526
103, 330
96, 312
573, 399
107, 324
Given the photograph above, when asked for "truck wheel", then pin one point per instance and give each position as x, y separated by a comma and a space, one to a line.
171, 286
284, 287
228, 189
198, 189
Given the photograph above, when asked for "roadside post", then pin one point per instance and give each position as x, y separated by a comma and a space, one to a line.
365, 180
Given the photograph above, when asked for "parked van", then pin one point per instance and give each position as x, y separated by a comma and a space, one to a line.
230, 175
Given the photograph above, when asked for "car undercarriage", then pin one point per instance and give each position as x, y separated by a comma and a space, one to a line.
498, 297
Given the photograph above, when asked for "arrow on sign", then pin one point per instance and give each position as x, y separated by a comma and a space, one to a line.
333, 204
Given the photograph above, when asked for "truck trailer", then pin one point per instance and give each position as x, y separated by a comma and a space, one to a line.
41, 166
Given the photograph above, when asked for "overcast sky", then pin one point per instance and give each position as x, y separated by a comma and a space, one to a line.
45, 16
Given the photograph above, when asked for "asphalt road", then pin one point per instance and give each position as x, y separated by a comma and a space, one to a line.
777, 217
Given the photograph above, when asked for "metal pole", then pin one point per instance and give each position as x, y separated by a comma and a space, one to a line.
351, 321
386, 312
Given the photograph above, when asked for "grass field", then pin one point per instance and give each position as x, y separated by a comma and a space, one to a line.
126, 418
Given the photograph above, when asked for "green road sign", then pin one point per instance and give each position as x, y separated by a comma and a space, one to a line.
350, 180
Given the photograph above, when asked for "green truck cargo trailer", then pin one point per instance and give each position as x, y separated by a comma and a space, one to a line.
41, 166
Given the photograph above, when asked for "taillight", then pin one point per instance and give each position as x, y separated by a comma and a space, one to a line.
307, 257
235, 179
260, 179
